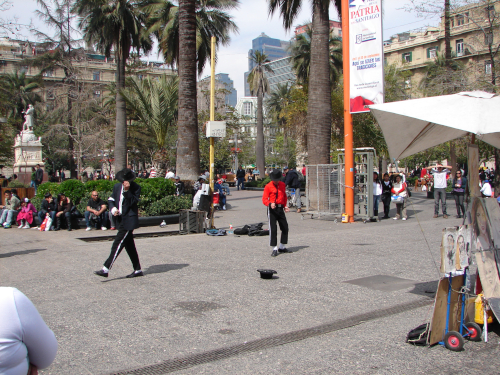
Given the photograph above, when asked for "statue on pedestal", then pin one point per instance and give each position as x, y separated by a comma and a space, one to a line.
28, 115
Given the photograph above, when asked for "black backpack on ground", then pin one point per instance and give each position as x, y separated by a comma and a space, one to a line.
418, 336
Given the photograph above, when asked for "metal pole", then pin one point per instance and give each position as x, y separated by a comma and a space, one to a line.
212, 118
348, 129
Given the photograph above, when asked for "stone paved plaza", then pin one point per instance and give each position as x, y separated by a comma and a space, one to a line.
342, 303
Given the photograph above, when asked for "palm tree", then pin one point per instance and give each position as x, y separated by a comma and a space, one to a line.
277, 101
188, 149
260, 86
212, 19
155, 104
319, 111
115, 25
300, 51
443, 77
17, 92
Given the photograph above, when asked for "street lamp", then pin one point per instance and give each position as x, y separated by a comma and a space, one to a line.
235, 150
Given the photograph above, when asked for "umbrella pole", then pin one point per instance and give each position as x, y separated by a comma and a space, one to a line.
348, 128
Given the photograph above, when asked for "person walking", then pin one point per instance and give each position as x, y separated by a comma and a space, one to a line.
439, 173
459, 186
123, 205
292, 182
240, 176
399, 190
38, 177
386, 194
274, 198
377, 193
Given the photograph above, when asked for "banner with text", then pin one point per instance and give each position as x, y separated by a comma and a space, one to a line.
366, 54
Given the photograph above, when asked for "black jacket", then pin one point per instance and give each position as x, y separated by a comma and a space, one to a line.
39, 175
179, 188
47, 207
386, 190
292, 179
240, 173
130, 212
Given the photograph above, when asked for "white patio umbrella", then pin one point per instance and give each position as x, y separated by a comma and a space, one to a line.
412, 126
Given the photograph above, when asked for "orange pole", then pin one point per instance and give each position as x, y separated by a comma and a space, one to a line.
348, 136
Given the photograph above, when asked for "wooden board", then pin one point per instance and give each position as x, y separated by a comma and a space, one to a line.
438, 322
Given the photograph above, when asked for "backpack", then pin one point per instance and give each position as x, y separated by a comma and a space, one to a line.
216, 232
301, 177
418, 336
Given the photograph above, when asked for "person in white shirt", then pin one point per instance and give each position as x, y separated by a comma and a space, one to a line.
377, 192
440, 183
485, 188
26, 343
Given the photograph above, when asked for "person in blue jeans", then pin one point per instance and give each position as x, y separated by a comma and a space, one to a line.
240, 176
96, 214
48, 207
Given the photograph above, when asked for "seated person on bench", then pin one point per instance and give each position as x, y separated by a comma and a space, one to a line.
96, 214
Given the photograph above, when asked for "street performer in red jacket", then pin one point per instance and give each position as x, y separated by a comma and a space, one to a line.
275, 199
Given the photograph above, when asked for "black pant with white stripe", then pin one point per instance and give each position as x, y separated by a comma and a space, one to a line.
124, 238
277, 215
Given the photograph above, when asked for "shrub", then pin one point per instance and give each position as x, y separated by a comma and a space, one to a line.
17, 184
410, 181
154, 189
73, 189
99, 185
168, 205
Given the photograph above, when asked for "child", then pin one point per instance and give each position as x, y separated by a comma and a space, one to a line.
25, 216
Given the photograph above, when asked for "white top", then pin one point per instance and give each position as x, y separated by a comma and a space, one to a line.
486, 189
24, 336
377, 188
440, 178
170, 174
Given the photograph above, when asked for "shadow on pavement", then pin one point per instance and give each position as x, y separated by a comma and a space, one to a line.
22, 252
427, 289
296, 249
158, 268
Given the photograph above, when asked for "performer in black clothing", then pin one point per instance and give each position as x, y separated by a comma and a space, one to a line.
123, 206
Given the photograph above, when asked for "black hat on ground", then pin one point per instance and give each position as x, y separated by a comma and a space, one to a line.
125, 174
275, 175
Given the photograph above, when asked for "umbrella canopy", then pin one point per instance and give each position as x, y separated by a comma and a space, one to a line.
412, 126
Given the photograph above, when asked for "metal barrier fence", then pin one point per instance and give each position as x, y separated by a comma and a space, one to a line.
324, 189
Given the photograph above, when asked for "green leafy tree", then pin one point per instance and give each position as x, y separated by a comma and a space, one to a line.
319, 113
259, 85
115, 25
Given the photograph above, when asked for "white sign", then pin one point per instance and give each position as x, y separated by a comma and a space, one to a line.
366, 54
216, 129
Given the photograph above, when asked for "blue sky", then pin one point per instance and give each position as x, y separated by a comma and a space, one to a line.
252, 19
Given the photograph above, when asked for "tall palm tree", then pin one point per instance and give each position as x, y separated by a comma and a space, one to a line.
300, 51
188, 149
115, 25
212, 19
277, 101
259, 85
319, 108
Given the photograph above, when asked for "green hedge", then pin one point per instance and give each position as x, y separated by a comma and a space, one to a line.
154, 194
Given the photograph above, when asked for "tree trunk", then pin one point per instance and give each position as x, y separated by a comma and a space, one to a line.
188, 150
71, 147
453, 158
319, 106
447, 35
259, 148
120, 152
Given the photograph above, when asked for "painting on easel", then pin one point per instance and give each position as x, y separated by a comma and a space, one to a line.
455, 250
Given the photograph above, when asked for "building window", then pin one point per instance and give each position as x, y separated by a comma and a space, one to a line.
460, 47
48, 73
432, 52
97, 94
407, 57
50, 94
460, 20
247, 109
408, 83
24, 69
97, 76
487, 67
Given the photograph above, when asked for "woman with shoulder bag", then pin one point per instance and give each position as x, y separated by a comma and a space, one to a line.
399, 197
459, 184
386, 195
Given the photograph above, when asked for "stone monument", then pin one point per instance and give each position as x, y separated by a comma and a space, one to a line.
27, 147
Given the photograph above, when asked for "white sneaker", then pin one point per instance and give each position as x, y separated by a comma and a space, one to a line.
20, 226
104, 228
394, 218
88, 229
27, 226
404, 218
224, 207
